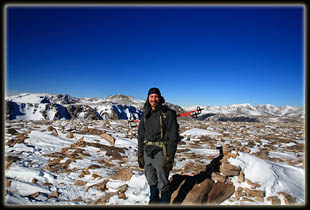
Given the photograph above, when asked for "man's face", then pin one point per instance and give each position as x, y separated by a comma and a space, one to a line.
153, 100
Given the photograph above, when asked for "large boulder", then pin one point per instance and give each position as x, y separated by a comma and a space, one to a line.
199, 193
220, 191
207, 187
189, 190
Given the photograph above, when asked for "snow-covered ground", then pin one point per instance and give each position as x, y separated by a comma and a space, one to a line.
57, 169
273, 177
32, 167
199, 132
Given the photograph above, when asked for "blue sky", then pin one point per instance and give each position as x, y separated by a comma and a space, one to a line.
204, 55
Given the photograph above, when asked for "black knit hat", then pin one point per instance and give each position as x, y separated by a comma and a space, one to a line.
154, 90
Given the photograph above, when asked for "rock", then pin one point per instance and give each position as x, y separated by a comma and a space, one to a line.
114, 152
53, 162
50, 128
104, 199
83, 173
247, 199
220, 192
94, 166
95, 176
269, 198
106, 162
252, 184
245, 149
297, 148
231, 167
7, 182
10, 160
239, 193
21, 138
70, 135
12, 131
239, 189
34, 181
229, 154
122, 196
216, 176
64, 150
78, 199
121, 191
18, 140
78, 143
241, 177
199, 193
78, 154
54, 132
228, 172
47, 184
228, 181
227, 148
275, 201
80, 183
55, 194
254, 193
258, 199
107, 123
99, 186
189, 189
34, 195
288, 199
91, 131
123, 174
108, 137
11, 142
200, 189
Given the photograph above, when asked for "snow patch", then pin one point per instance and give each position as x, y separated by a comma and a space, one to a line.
199, 132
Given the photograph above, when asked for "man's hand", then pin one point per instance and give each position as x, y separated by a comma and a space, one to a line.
141, 160
168, 164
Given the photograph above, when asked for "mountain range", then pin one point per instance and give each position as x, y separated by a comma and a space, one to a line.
44, 106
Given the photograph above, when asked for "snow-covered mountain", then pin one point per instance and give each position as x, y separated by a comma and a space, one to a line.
266, 111
35, 98
36, 106
41, 106
126, 100
289, 111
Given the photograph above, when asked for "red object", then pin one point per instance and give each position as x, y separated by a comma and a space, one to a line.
186, 113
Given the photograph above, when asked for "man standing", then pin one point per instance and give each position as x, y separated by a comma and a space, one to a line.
157, 144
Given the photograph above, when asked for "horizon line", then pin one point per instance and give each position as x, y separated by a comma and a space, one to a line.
196, 104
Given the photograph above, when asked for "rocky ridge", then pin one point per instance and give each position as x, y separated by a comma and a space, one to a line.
54, 107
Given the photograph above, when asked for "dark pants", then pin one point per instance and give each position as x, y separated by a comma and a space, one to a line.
154, 172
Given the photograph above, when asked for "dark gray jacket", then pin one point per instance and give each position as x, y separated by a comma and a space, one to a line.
151, 129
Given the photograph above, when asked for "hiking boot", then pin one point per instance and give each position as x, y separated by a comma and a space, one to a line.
165, 197
154, 194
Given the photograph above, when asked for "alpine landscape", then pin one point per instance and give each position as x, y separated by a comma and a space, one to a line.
64, 150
